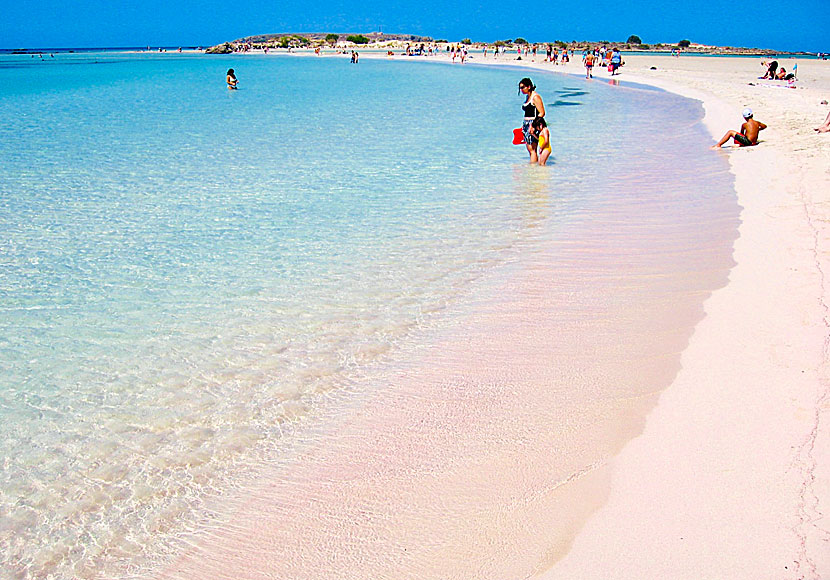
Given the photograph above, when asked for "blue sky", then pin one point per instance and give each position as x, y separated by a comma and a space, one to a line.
775, 24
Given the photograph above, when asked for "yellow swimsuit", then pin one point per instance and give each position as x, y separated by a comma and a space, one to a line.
543, 143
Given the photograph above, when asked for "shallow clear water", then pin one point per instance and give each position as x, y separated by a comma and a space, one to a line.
186, 271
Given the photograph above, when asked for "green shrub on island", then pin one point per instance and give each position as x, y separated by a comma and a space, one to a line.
684, 43
634, 39
466, 41
643, 46
520, 40
287, 41
560, 44
332, 38
357, 39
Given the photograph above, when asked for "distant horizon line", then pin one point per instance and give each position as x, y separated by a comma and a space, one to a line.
152, 47
65, 48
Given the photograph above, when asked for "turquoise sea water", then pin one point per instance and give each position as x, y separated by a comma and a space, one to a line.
186, 271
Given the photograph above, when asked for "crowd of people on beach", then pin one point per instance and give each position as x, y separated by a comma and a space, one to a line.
537, 136
610, 58
535, 133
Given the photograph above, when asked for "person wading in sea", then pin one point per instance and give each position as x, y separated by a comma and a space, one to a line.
533, 107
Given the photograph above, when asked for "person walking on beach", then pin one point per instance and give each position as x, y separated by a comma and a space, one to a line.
616, 61
748, 135
533, 107
589, 65
231, 80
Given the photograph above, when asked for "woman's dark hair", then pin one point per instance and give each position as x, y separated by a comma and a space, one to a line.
230, 72
526, 82
539, 123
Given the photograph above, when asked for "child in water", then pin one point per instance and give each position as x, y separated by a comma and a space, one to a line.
540, 129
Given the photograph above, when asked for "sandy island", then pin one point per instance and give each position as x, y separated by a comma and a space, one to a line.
730, 477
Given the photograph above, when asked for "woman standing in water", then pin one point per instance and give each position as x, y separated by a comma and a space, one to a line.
533, 107
231, 79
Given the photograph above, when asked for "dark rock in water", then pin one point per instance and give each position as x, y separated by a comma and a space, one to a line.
220, 49
654, 68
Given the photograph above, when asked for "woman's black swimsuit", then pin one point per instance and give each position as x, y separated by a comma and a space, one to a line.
530, 113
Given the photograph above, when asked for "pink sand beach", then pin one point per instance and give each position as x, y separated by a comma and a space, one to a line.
709, 456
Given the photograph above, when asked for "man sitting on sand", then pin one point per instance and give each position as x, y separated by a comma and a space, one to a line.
748, 135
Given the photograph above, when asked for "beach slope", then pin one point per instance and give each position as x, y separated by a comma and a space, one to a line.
730, 478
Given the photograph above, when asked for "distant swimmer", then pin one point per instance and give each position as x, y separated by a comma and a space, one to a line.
231, 80
540, 129
748, 135
533, 107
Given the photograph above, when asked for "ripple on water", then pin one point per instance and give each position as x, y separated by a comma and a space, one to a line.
187, 276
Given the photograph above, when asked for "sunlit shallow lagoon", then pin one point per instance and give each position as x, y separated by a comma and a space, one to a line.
187, 273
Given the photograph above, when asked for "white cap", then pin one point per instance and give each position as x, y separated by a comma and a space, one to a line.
747, 113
